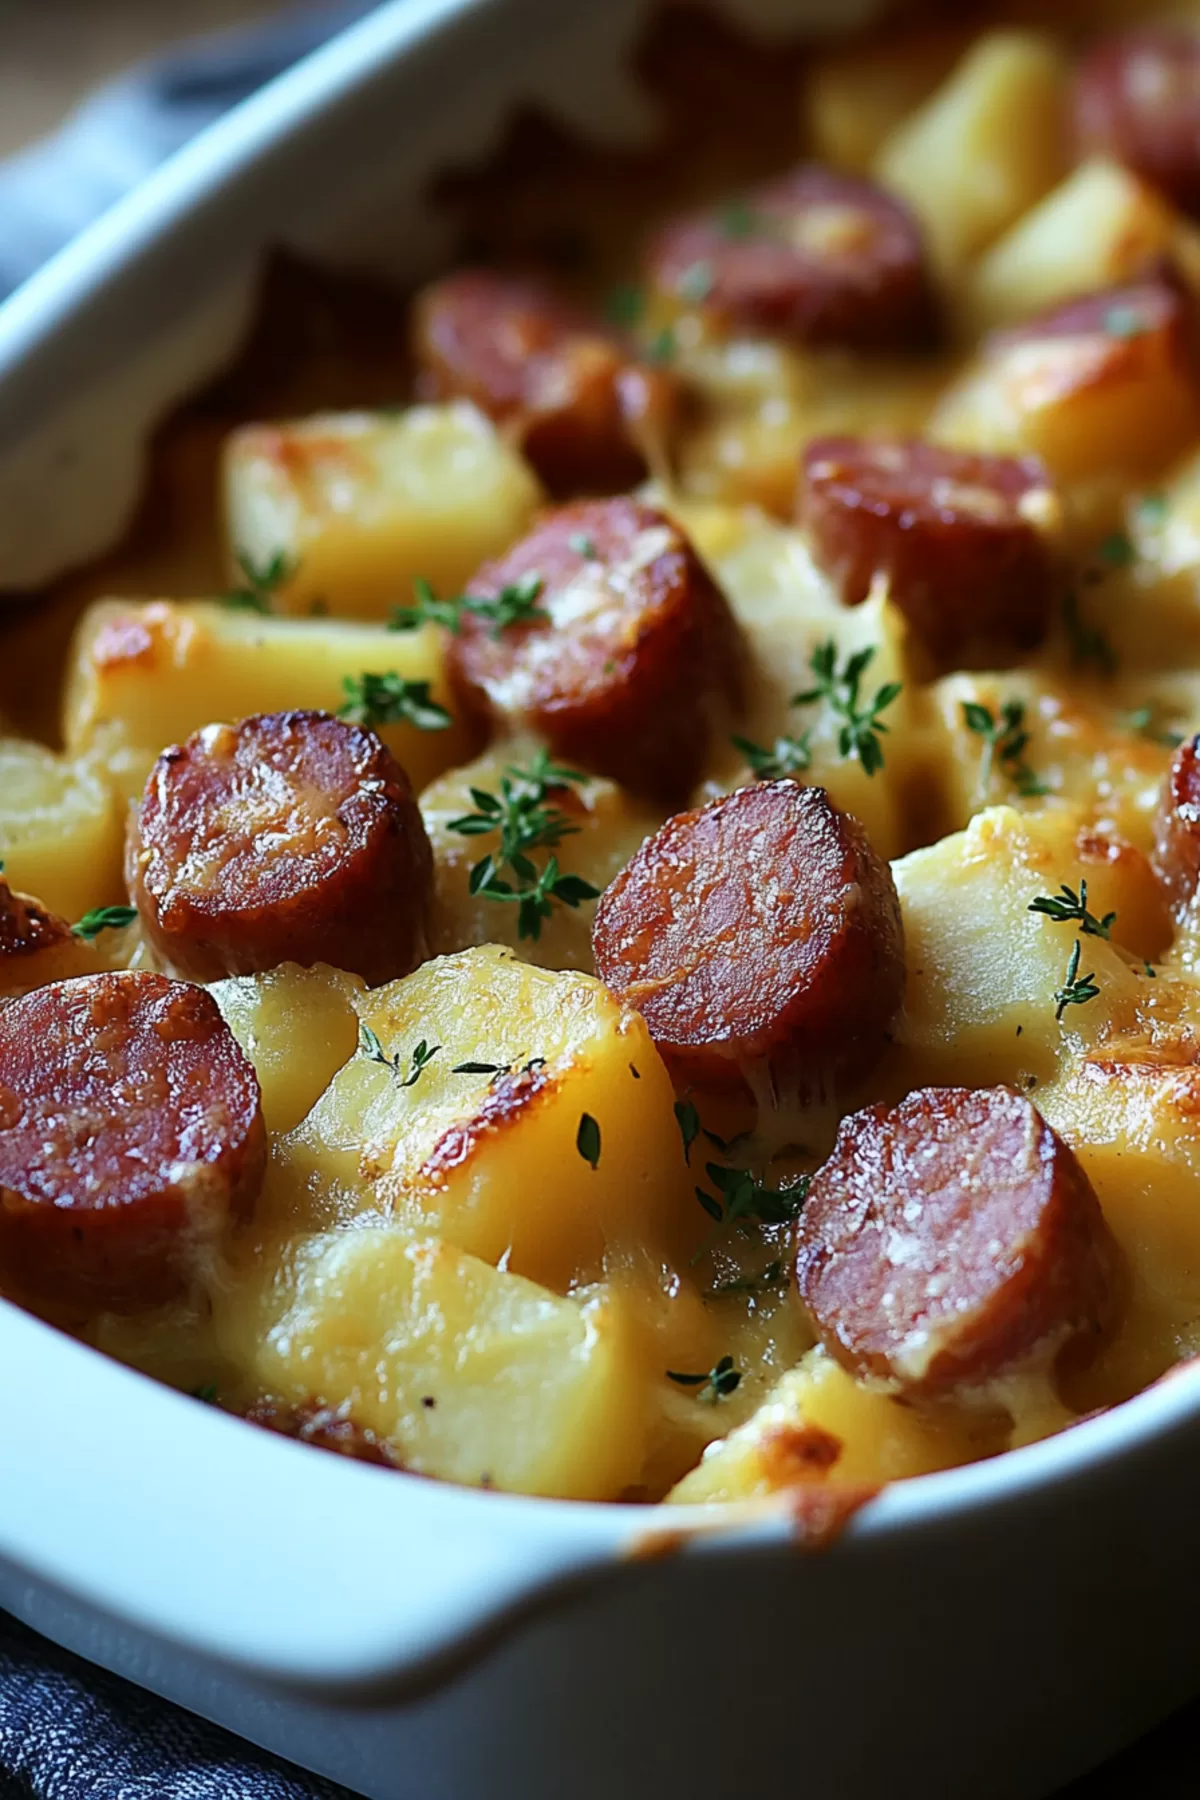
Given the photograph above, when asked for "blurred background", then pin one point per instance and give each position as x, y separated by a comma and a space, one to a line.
53, 51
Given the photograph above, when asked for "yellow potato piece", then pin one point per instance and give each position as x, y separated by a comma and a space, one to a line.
1100, 227
468, 1373
819, 1423
983, 970
855, 97
786, 609
273, 1013
60, 837
493, 1163
609, 826
360, 504
986, 145
145, 674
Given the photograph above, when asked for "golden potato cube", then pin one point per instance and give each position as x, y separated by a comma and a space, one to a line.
467, 1373
498, 1160
983, 970
854, 98
786, 609
361, 504
298, 1027
1084, 752
145, 674
1128, 1107
1090, 404
608, 827
60, 837
1097, 229
986, 145
819, 1424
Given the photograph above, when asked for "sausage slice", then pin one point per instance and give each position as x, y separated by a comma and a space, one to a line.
818, 257
1177, 826
955, 535
1137, 99
1125, 317
582, 407
950, 1238
131, 1133
759, 932
630, 656
290, 837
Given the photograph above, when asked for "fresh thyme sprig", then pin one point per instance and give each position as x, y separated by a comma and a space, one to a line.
740, 1197
861, 725
720, 1381
102, 918
525, 822
261, 582
1070, 908
515, 604
1077, 989
1144, 720
405, 1075
787, 756
1004, 740
387, 699
587, 1140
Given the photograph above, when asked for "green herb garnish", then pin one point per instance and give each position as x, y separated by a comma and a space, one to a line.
520, 814
1142, 720
1070, 908
1088, 643
688, 1120
787, 756
102, 918
720, 1381
587, 1140
515, 604
625, 305
261, 583
740, 1197
1077, 989
858, 734
662, 346
1004, 741
406, 1075
582, 545
387, 699
737, 219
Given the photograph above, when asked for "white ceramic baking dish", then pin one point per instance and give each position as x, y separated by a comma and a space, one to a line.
988, 1631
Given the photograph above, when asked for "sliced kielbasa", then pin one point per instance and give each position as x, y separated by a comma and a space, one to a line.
583, 409
629, 657
952, 1237
955, 535
1158, 305
818, 257
1137, 99
131, 1134
760, 933
1177, 827
290, 837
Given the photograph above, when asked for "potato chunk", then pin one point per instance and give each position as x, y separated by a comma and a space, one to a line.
145, 674
360, 504
298, 1027
1099, 228
819, 1424
986, 145
854, 98
465, 1372
786, 609
60, 837
608, 826
983, 971
493, 1160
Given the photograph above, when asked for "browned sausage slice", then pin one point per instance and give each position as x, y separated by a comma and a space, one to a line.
1127, 315
952, 1237
290, 837
131, 1133
583, 408
1137, 99
629, 656
956, 536
1177, 827
759, 932
819, 257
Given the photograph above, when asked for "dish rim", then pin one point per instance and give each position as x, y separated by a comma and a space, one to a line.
567, 1538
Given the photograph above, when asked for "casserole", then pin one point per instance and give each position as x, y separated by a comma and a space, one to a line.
943, 1583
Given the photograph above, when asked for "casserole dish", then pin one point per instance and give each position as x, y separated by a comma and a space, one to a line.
967, 1631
